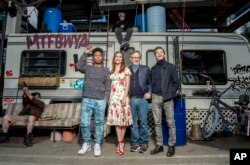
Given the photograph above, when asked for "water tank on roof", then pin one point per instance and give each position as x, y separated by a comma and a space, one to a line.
140, 22
156, 19
52, 19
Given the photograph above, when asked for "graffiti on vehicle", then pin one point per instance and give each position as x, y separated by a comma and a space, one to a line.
72, 65
76, 41
8, 101
78, 84
241, 80
9, 73
238, 69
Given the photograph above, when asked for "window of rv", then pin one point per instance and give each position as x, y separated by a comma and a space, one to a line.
210, 62
37, 62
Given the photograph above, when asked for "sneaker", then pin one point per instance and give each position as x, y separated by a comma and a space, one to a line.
143, 148
97, 150
85, 148
135, 148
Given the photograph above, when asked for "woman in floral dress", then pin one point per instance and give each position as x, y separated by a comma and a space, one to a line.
119, 113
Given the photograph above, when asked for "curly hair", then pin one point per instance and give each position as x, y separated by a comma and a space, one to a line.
97, 50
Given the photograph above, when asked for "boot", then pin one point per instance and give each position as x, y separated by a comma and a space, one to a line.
171, 151
157, 149
4, 137
28, 139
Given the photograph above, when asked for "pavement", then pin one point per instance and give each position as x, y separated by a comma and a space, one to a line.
46, 152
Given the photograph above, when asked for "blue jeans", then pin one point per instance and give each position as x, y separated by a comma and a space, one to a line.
139, 132
88, 106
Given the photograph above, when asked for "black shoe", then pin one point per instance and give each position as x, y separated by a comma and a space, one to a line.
143, 148
28, 139
4, 137
135, 148
157, 149
171, 151
126, 46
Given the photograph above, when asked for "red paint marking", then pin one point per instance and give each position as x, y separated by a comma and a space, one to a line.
9, 73
8, 101
72, 65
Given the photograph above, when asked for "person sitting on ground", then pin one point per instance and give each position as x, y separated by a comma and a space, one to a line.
32, 110
120, 26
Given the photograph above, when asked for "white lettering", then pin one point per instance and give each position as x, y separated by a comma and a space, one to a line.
237, 156
240, 156
243, 155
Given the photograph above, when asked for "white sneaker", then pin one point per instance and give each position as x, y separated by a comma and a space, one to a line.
85, 148
97, 150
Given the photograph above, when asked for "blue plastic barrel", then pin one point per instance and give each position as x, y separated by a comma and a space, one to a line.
52, 19
180, 123
156, 19
139, 22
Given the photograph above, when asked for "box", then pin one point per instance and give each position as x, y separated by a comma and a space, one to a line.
67, 27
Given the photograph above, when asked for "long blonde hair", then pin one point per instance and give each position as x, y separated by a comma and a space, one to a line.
122, 64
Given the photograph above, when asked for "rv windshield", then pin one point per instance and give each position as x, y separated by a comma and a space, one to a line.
210, 62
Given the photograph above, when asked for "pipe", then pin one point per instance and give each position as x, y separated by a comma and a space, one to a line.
143, 20
241, 12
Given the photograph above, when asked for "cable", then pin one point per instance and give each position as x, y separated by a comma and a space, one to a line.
59, 5
29, 4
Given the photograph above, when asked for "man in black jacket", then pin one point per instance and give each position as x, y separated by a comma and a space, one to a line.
165, 83
120, 26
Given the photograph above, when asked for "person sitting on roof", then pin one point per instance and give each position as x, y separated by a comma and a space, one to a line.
120, 26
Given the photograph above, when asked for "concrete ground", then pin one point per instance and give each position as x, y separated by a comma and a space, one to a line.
46, 152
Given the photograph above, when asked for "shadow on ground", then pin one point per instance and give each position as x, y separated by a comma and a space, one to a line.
225, 143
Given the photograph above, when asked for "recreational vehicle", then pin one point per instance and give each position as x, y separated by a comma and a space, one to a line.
223, 56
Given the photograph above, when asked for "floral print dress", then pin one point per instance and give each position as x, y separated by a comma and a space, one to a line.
117, 114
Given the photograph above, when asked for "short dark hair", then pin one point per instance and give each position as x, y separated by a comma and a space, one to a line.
97, 50
159, 47
36, 94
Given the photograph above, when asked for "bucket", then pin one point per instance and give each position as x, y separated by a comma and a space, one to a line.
138, 20
180, 123
52, 19
156, 19
58, 136
68, 135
